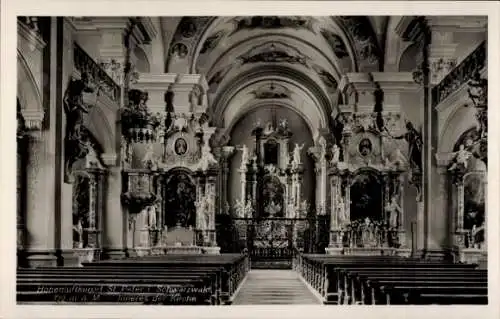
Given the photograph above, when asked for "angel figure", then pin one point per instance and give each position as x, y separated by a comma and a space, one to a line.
149, 160
461, 158
207, 157
478, 91
335, 154
398, 159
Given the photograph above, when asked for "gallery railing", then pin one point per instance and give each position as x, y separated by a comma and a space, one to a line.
84, 63
460, 75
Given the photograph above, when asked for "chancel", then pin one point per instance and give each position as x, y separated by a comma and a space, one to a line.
252, 160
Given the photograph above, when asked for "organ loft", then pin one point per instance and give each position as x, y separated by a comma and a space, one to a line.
254, 142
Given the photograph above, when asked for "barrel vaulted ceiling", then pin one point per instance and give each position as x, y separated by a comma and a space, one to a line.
291, 61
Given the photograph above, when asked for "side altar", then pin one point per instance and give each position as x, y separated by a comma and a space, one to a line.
169, 170
375, 150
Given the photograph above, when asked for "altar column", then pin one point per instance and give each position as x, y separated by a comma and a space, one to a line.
114, 219
227, 152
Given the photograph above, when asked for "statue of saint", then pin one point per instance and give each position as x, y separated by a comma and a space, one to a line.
272, 209
394, 210
366, 232
78, 231
248, 208
477, 236
415, 143
335, 154
200, 211
342, 218
378, 95
151, 217
244, 156
296, 154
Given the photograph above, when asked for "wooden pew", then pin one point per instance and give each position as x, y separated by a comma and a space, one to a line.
76, 284
377, 286
215, 274
235, 267
219, 274
321, 270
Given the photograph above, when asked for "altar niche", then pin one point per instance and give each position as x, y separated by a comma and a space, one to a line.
366, 198
367, 217
468, 175
273, 198
179, 200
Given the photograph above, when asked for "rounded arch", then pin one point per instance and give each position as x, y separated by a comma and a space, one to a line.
408, 60
366, 171
28, 92
231, 89
142, 64
180, 170
459, 121
253, 105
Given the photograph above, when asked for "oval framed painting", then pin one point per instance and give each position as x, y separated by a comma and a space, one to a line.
365, 147
180, 146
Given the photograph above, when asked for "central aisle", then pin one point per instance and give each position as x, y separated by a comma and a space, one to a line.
278, 287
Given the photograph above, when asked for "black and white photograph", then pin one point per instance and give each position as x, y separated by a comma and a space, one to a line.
329, 160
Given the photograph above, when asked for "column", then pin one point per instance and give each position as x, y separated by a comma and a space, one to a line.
40, 212
114, 219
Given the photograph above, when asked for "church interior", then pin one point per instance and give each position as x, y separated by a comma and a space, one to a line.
252, 160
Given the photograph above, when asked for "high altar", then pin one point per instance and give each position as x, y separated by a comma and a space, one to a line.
270, 205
